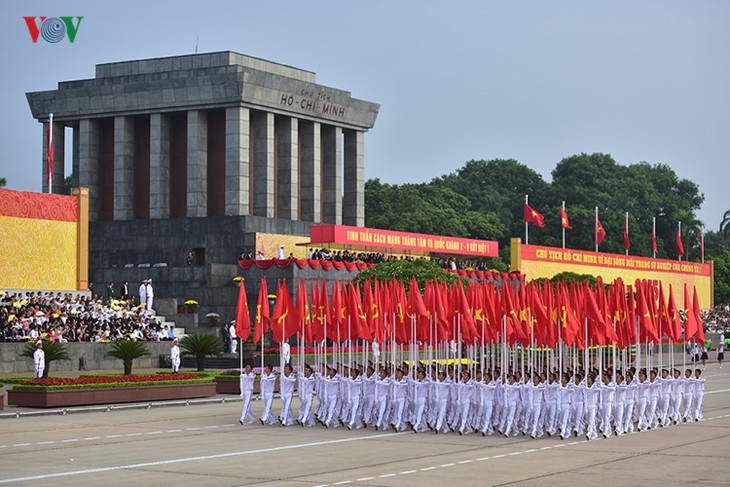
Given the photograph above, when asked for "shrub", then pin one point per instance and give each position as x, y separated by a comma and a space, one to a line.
53, 351
201, 346
127, 351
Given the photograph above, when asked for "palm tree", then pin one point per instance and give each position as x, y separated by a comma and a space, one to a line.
127, 351
52, 350
725, 225
201, 346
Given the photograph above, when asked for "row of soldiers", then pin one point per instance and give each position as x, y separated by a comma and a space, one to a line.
442, 400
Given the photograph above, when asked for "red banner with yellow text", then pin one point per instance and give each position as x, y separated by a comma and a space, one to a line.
536, 261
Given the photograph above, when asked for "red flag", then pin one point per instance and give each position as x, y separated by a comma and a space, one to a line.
600, 231
261, 325
698, 318
564, 219
399, 305
243, 317
647, 326
569, 323
285, 315
531, 216
304, 311
653, 238
358, 327
49, 153
680, 246
627, 241
675, 326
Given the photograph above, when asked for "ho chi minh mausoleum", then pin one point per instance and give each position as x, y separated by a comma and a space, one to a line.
203, 152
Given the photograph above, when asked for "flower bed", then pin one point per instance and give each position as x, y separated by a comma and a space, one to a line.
89, 390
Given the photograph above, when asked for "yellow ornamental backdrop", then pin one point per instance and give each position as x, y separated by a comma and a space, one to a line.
43, 240
37, 254
269, 244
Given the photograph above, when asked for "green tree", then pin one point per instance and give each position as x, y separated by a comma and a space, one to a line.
68, 184
586, 181
53, 351
3, 182
498, 187
127, 351
201, 346
724, 225
722, 277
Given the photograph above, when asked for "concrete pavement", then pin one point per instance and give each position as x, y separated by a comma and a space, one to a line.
204, 445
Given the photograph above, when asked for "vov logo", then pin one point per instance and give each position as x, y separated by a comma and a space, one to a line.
52, 29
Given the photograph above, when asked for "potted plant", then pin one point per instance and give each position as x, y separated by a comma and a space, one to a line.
191, 306
213, 319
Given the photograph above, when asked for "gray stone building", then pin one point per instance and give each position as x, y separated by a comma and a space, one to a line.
201, 152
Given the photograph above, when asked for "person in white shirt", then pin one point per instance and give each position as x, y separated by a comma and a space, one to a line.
689, 395
246, 381
307, 381
565, 400
175, 356
268, 381
593, 402
280, 253
143, 294
420, 385
286, 388
234, 337
699, 393
39, 359
721, 350
351, 416
382, 399
150, 295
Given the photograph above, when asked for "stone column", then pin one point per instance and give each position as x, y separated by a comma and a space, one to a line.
59, 167
75, 158
159, 166
287, 153
332, 174
353, 205
311, 171
197, 163
89, 163
237, 161
123, 168
262, 131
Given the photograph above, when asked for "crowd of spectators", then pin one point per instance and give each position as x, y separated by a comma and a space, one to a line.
74, 317
717, 319
454, 264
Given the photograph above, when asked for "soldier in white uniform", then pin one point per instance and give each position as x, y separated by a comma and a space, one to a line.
699, 393
247, 379
268, 381
286, 388
593, 402
382, 399
689, 395
307, 382
175, 356
39, 359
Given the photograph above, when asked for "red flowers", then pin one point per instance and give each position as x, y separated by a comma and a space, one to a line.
106, 379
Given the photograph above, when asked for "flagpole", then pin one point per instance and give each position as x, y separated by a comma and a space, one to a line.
595, 229
562, 225
49, 151
626, 231
653, 237
527, 235
702, 246
679, 238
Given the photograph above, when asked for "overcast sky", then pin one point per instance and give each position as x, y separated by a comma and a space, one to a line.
456, 80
